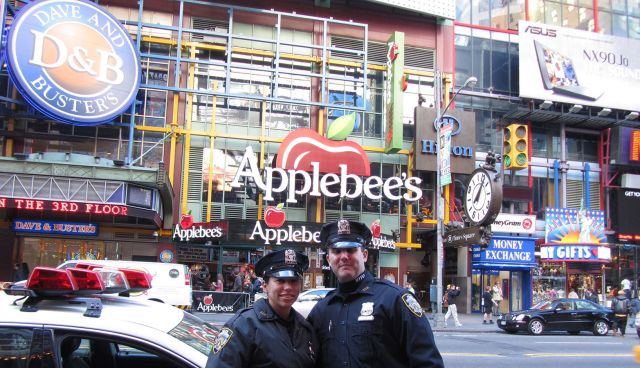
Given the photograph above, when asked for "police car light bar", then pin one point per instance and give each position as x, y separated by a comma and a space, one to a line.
114, 280
138, 280
47, 281
88, 281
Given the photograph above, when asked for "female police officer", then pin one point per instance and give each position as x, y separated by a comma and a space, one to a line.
271, 333
367, 322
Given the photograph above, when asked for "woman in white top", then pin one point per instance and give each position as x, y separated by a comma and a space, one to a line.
497, 297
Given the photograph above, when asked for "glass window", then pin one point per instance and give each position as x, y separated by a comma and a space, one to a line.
500, 14
500, 67
583, 304
193, 332
604, 19
619, 25
634, 27
516, 13
552, 13
634, 7
463, 11
480, 12
15, 346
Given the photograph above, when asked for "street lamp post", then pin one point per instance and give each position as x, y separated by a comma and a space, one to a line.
471, 81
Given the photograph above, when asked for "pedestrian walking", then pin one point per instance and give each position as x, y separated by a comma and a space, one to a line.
365, 321
452, 294
497, 297
634, 308
620, 307
487, 305
270, 333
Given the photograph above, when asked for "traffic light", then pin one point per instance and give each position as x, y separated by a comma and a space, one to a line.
516, 147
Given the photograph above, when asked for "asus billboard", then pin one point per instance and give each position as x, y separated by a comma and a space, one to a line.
579, 67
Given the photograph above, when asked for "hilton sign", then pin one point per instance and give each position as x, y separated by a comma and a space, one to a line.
463, 140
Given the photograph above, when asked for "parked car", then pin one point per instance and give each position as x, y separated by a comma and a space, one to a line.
308, 299
571, 315
170, 284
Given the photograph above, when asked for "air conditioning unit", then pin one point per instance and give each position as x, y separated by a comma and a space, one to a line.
630, 181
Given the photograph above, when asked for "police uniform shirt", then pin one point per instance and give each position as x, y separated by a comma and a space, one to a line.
258, 337
373, 323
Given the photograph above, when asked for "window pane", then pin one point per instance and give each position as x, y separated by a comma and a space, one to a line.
499, 14
15, 345
634, 27
552, 13
516, 13
463, 11
619, 25
480, 12
604, 18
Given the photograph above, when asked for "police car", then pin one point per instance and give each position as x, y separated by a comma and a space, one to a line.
65, 318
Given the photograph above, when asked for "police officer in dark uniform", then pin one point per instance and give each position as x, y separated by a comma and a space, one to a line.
367, 322
271, 333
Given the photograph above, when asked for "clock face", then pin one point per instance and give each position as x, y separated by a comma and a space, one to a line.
477, 198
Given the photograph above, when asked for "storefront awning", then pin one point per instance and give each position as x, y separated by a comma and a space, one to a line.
503, 266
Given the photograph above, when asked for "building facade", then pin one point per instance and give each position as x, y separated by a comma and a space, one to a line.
574, 147
223, 85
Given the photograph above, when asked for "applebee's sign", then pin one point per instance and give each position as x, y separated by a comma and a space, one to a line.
197, 231
304, 155
289, 233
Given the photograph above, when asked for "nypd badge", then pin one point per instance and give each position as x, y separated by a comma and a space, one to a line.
290, 257
366, 313
344, 227
413, 305
222, 339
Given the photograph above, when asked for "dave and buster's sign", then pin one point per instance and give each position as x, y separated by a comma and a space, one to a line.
308, 163
73, 61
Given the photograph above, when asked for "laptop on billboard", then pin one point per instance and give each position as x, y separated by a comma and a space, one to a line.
559, 74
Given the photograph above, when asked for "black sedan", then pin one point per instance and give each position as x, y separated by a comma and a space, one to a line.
571, 315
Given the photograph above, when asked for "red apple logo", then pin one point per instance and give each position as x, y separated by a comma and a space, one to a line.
207, 300
375, 228
304, 146
392, 55
274, 216
186, 220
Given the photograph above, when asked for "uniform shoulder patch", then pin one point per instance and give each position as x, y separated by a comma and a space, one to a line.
412, 304
222, 339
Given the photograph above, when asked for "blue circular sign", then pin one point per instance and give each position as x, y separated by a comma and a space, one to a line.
166, 256
73, 61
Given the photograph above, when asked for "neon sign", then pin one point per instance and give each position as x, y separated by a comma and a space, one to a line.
64, 206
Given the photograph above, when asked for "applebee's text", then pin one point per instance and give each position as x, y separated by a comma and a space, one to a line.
287, 234
196, 232
317, 186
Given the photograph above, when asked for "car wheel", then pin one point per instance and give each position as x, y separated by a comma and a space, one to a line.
573, 332
510, 331
600, 328
536, 326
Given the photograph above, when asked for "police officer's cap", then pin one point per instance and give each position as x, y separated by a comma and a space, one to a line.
282, 264
345, 234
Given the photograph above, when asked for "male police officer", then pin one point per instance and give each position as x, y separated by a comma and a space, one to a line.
271, 333
367, 322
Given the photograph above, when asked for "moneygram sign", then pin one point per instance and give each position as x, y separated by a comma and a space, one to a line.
73, 61
308, 163
513, 223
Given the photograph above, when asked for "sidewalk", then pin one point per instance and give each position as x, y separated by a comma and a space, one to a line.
470, 323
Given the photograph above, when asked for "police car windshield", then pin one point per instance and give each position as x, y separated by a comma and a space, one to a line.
196, 333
